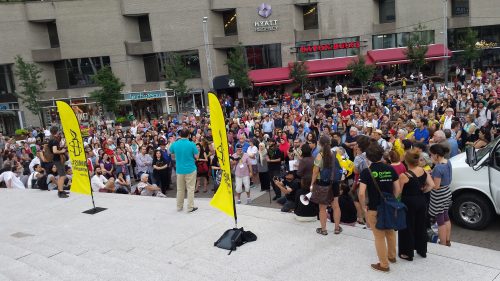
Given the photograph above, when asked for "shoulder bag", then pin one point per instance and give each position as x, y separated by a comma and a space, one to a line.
391, 214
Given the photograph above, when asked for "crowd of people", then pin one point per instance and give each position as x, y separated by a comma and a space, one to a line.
300, 147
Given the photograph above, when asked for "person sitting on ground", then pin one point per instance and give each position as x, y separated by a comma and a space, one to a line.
10, 178
348, 213
52, 177
288, 186
122, 184
147, 189
100, 183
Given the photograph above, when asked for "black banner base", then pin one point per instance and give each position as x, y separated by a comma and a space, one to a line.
233, 238
94, 210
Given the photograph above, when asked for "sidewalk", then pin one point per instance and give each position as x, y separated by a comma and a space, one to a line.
43, 237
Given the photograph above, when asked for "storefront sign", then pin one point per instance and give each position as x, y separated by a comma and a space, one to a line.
144, 95
265, 11
4, 106
329, 47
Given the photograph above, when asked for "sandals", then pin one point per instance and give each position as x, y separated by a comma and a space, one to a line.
321, 231
405, 257
338, 230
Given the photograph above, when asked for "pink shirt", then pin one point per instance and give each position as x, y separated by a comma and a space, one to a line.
242, 167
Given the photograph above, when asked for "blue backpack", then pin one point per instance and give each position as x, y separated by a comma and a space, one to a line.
332, 174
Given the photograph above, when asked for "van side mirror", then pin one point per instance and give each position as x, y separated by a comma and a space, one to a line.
471, 159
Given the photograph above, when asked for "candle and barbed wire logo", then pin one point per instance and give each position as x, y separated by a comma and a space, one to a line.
75, 144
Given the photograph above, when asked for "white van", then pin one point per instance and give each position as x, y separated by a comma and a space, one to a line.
476, 186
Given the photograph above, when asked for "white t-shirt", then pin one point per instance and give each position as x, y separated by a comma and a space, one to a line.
252, 151
97, 182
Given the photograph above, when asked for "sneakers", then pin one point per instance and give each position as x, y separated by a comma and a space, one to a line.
378, 267
249, 201
238, 202
194, 209
62, 194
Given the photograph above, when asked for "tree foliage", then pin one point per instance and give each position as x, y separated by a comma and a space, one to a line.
238, 68
298, 72
417, 48
110, 92
32, 85
177, 73
361, 71
468, 43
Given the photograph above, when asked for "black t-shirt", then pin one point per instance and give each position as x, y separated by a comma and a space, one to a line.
294, 185
273, 155
348, 212
385, 175
53, 142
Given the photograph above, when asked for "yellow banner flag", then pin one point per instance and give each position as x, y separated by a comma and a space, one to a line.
71, 128
223, 198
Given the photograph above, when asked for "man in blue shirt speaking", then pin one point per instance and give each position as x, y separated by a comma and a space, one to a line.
421, 133
185, 154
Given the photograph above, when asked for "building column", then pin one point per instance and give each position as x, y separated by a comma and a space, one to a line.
20, 117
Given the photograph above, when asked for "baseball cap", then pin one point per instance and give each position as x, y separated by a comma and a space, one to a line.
378, 131
239, 146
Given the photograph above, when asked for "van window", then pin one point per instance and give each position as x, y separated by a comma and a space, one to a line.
485, 150
496, 158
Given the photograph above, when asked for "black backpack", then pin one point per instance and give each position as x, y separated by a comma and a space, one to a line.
42, 183
233, 238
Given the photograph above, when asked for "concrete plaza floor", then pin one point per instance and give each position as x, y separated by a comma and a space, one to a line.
43, 237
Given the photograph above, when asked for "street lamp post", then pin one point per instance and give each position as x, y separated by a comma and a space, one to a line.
445, 42
207, 53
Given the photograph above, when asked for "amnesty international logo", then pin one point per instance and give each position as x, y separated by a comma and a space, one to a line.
75, 144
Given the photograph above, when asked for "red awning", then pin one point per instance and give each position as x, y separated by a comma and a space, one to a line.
398, 56
270, 76
328, 67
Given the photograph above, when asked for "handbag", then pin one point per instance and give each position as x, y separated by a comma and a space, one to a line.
321, 194
202, 167
391, 214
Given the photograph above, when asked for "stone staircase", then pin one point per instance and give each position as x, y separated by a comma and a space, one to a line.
143, 238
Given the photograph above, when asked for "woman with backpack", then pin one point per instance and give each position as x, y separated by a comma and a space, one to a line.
325, 185
414, 182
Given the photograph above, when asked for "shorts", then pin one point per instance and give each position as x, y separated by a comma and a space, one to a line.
60, 168
442, 218
336, 189
242, 181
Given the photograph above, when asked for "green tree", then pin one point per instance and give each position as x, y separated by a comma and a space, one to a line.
468, 44
298, 72
238, 69
417, 48
177, 73
110, 92
32, 85
361, 71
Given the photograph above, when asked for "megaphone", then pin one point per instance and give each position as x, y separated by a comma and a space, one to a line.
304, 199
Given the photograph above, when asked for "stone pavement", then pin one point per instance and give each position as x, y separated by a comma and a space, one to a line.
43, 237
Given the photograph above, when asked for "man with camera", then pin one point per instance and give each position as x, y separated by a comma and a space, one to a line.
288, 186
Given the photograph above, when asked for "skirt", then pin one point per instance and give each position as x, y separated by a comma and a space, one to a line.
440, 200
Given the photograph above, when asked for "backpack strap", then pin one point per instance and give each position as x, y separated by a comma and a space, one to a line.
411, 173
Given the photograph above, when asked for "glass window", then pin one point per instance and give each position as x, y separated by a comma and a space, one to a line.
75, 73
263, 56
53, 36
329, 53
328, 48
144, 28
402, 39
310, 13
460, 7
384, 41
230, 22
6, 79
154, 64
387, 11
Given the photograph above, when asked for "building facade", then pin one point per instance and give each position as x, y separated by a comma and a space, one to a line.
71, 40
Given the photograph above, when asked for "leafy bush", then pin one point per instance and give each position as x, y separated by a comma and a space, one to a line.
21, 132
121, 119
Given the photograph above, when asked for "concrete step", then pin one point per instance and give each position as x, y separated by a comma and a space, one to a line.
104, 270
51, 266
4, 278
15, 270
165, 267
12, 251
130, 269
